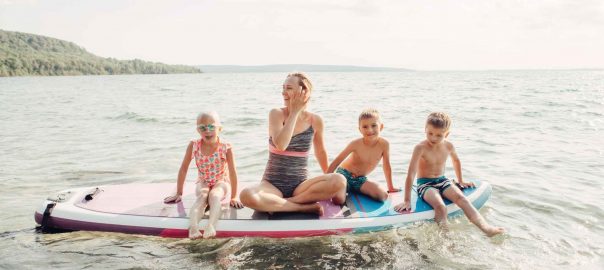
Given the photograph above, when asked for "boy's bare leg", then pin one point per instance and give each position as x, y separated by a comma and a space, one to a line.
214, 199
324, 187
456, 196
374, 191
197, 210
267, 198
433, 198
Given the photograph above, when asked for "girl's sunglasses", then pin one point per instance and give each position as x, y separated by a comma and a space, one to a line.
208, 127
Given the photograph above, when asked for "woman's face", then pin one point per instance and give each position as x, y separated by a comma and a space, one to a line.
290, 85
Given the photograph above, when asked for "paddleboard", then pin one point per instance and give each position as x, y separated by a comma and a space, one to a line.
139, 209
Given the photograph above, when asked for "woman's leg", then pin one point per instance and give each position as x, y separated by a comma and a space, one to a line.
198, 209
267, 198
328, 186
215, 198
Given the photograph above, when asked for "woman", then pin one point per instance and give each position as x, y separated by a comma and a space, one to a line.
285, 186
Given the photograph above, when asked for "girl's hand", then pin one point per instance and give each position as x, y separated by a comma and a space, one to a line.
402, 207
298, 100
173, 199
236, 203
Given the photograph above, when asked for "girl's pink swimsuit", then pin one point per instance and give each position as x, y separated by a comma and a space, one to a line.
211, 168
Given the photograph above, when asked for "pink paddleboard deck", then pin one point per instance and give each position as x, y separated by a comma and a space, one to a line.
147, 200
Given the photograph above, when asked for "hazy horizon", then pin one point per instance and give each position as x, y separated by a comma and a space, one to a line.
424, 35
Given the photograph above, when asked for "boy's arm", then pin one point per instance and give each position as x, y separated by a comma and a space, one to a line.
336, 162
182, 174
233, 178
406, 204
388, 168
457, 167
319, 145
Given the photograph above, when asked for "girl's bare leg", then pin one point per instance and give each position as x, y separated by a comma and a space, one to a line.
324, 187
374, 191
456, 196
267, 198
197, 210
214, 199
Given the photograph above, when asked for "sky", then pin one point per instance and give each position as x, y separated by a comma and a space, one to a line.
422, 34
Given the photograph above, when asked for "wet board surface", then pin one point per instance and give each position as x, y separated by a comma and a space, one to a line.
147, 200
139, 209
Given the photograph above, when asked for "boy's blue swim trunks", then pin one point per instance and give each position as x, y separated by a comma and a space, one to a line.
441, 184
354, 182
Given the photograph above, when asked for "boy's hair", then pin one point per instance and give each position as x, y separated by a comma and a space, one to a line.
370, 113
439, 120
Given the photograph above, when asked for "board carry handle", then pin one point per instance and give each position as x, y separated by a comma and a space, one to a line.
90, 196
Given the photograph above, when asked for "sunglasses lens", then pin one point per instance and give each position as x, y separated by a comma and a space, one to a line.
209, 127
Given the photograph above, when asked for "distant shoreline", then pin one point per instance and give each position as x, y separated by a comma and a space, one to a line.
350, 68
295, 67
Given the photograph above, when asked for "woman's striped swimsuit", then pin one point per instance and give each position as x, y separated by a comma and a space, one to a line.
286, 169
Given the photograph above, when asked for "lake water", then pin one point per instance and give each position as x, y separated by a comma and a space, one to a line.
536, 136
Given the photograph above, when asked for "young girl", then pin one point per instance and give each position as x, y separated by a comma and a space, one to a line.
212, 157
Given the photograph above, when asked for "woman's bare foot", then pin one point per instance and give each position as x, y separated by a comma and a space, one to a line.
492, 230
209, 231
194, 233
316, 208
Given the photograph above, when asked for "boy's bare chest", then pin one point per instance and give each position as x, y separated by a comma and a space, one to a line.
435, 156
369, 154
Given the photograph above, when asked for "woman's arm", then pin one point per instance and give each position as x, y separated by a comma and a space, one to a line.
280, 133
320, 153
281, 130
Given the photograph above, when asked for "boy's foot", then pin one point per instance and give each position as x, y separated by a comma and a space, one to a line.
209, 232
492, 230
194, 233
316, 208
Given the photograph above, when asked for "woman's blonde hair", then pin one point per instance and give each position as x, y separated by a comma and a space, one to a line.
303, 79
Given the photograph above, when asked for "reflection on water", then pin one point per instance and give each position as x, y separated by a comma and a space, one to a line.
534, 135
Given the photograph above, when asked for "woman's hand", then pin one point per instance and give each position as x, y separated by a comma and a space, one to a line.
298, 100
173, 199
236, 203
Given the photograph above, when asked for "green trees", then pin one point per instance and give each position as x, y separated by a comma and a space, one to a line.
23, 54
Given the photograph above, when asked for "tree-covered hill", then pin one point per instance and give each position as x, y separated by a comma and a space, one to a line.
23, 54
